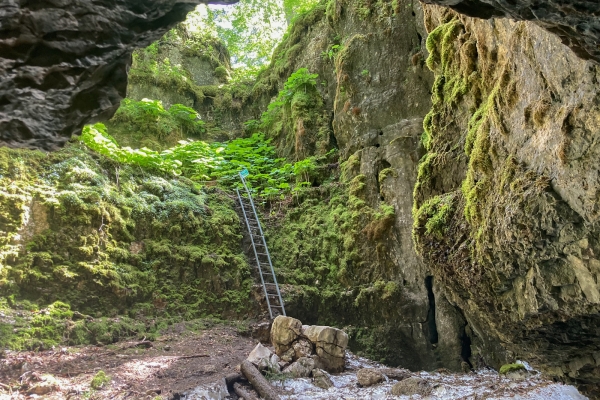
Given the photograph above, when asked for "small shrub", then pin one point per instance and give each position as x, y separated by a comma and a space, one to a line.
100, 380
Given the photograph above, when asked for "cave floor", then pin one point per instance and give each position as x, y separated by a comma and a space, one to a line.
184, 364
175, 362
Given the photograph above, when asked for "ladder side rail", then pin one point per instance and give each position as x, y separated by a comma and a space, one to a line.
255, 253
265, 245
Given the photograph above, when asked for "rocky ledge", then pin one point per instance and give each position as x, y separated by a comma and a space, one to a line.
63, 63
574, 21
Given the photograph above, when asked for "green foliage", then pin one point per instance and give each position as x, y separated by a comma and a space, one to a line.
99, 380
296, 119
96, 138
506, 368
151, 118
221, 162
331, 52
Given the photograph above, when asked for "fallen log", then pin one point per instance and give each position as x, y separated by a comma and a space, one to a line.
234, 378
260, 384
242, 392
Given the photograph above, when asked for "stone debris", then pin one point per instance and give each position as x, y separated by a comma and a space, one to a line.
259, 353
323, 344
321, 379
303, 348
264, 359
369, 376
301, 368
411, 386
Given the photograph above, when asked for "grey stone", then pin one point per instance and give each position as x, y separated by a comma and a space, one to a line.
369, 376
321, 379
412, 386
301, 368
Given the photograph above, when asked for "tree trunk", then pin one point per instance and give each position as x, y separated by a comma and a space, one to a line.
261, 385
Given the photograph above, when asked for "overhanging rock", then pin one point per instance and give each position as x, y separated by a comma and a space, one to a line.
63, 63
576, 22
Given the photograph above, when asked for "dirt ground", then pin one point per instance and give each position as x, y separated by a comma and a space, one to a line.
164, 369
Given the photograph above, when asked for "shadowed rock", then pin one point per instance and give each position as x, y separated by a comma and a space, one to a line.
63, 63
575, 22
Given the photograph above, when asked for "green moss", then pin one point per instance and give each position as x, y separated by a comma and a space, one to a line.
221, 72
506, 368
440, 46
100, 380
434, 215
110, 239
384, 173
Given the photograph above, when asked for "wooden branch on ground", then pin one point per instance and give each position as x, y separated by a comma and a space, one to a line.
259, 382
144, 343
192, 356
242, 392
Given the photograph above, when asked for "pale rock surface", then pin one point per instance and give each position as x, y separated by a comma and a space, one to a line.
302, 348
330, 344
284, 331
258, 354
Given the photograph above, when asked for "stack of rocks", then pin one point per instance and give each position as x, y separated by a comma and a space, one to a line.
302, 351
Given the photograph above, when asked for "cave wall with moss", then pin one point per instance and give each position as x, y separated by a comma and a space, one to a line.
506, 202
108, 240
343, 249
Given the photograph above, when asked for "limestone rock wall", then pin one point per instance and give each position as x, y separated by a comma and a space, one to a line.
506, 199
63, 63
372, 77
574, 22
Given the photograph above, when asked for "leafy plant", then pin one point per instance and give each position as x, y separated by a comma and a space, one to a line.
298, 82
150, 117
221, 162
331, 52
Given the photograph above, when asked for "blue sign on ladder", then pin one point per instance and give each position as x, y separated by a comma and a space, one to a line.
244, 173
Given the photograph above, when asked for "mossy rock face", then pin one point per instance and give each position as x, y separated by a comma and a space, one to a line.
490, 183
84, 236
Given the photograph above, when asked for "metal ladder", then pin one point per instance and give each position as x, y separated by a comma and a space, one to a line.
261, 253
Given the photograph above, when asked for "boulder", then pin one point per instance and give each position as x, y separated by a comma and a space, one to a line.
397, 374
321, 379
369, 376
411, 386
302, 368
330, 346
284, 331
302, 348
258, 354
